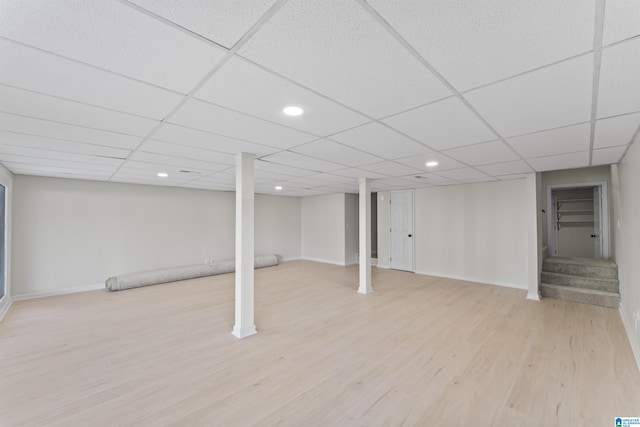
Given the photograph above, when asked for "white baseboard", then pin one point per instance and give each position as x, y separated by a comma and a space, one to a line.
374, 262
59, 292
533, 296
385, 266
324, 261
296, 258
5, 305
628, 327
473, 279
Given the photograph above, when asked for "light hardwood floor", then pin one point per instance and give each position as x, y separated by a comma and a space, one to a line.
418, 351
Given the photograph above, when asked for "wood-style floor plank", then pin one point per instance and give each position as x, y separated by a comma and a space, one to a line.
420, 350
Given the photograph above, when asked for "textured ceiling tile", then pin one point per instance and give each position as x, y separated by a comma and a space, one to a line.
506, 168
391, 169
619, 91
288, 158
551, 97
187, 152
337, 153
616, 130
463, 174
482, 154
187, 164
475, 42
380, 140
38, 142
363, 58
420, 162
441, 125
560, 161
621, 20
608, 156
238, 85
113, 36
556, 141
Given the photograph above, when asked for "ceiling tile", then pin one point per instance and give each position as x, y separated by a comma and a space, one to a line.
57, 171
222, 21
29, 141
506, 168
380, 140
621, 19
482, 154
112, 36
45, 162
152, 168
420, 162
337, 153
364, 58
554, 96
556, 141
209, 141
391, 169
608, 156
441, 125
188, 164
560, 161
619, 91
472, 43
427, 179
276, 168
396, 183
82, 83
241, 86
187, 152
44, 128
464, 174
25, 103
288, 158
358, 173
324, 178
616, 130
58, 155
211, 118
125, 176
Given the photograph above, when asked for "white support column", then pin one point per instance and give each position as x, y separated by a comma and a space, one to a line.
365, 236
244, 325
534, 259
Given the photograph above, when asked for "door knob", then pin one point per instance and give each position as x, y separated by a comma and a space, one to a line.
409, 235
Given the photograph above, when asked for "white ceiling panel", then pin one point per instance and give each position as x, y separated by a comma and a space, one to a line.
391, 169
174, 174
43, 162
57, 172
441, 125
608, 156
380, 140
323, 178
337, 153
464, 174
356, 173
135, 176
556, 141
209, 141
616, 130
551, 97
152, 168
211, 118
187, 152
132, 179
25, 103
483, 154
506, 168
396, 182
38, 142
364, 58
222, 21
472, 43
44, 128
619, 91
427, 179
288, 158
58, 155
241, 86
187, 164
113, 36
621, 20
420, 162
71, 80
276, 168
560, 161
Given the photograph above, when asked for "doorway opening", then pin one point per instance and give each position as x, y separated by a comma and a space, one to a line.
578, 220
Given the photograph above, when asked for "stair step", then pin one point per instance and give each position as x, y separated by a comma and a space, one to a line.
586, 296
602, 268
595, 283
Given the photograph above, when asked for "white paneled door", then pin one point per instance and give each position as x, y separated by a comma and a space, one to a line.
402, 230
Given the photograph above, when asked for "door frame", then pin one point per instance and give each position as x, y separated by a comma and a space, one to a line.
413, 227
552, 231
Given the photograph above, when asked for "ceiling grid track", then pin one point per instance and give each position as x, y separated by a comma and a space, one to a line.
597, 62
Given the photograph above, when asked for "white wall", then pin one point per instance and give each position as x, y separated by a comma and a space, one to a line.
383, 230
72, 233
626, 210
6, 179
475, 232
351, 228
323, 228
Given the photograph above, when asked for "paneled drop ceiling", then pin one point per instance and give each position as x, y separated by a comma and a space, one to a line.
490, 89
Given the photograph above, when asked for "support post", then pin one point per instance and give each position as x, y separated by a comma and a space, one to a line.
534, 236
365, 236
244, 325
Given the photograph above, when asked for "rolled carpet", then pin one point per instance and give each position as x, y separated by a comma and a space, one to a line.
155, 277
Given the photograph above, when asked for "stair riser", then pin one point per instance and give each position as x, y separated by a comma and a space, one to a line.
581, 270
608, 285
569, 294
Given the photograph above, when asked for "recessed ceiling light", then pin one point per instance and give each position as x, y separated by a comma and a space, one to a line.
278, 187
432, 164
163, 174
293, 111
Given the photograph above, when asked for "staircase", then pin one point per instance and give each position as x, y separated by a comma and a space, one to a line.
589, 281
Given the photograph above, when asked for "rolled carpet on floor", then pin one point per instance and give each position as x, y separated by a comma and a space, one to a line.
156, 277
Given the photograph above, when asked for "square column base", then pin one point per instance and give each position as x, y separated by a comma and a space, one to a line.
243, 332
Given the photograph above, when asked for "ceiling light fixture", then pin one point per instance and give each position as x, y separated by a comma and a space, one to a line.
163, 174
293, 111
278, 187
432, 164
